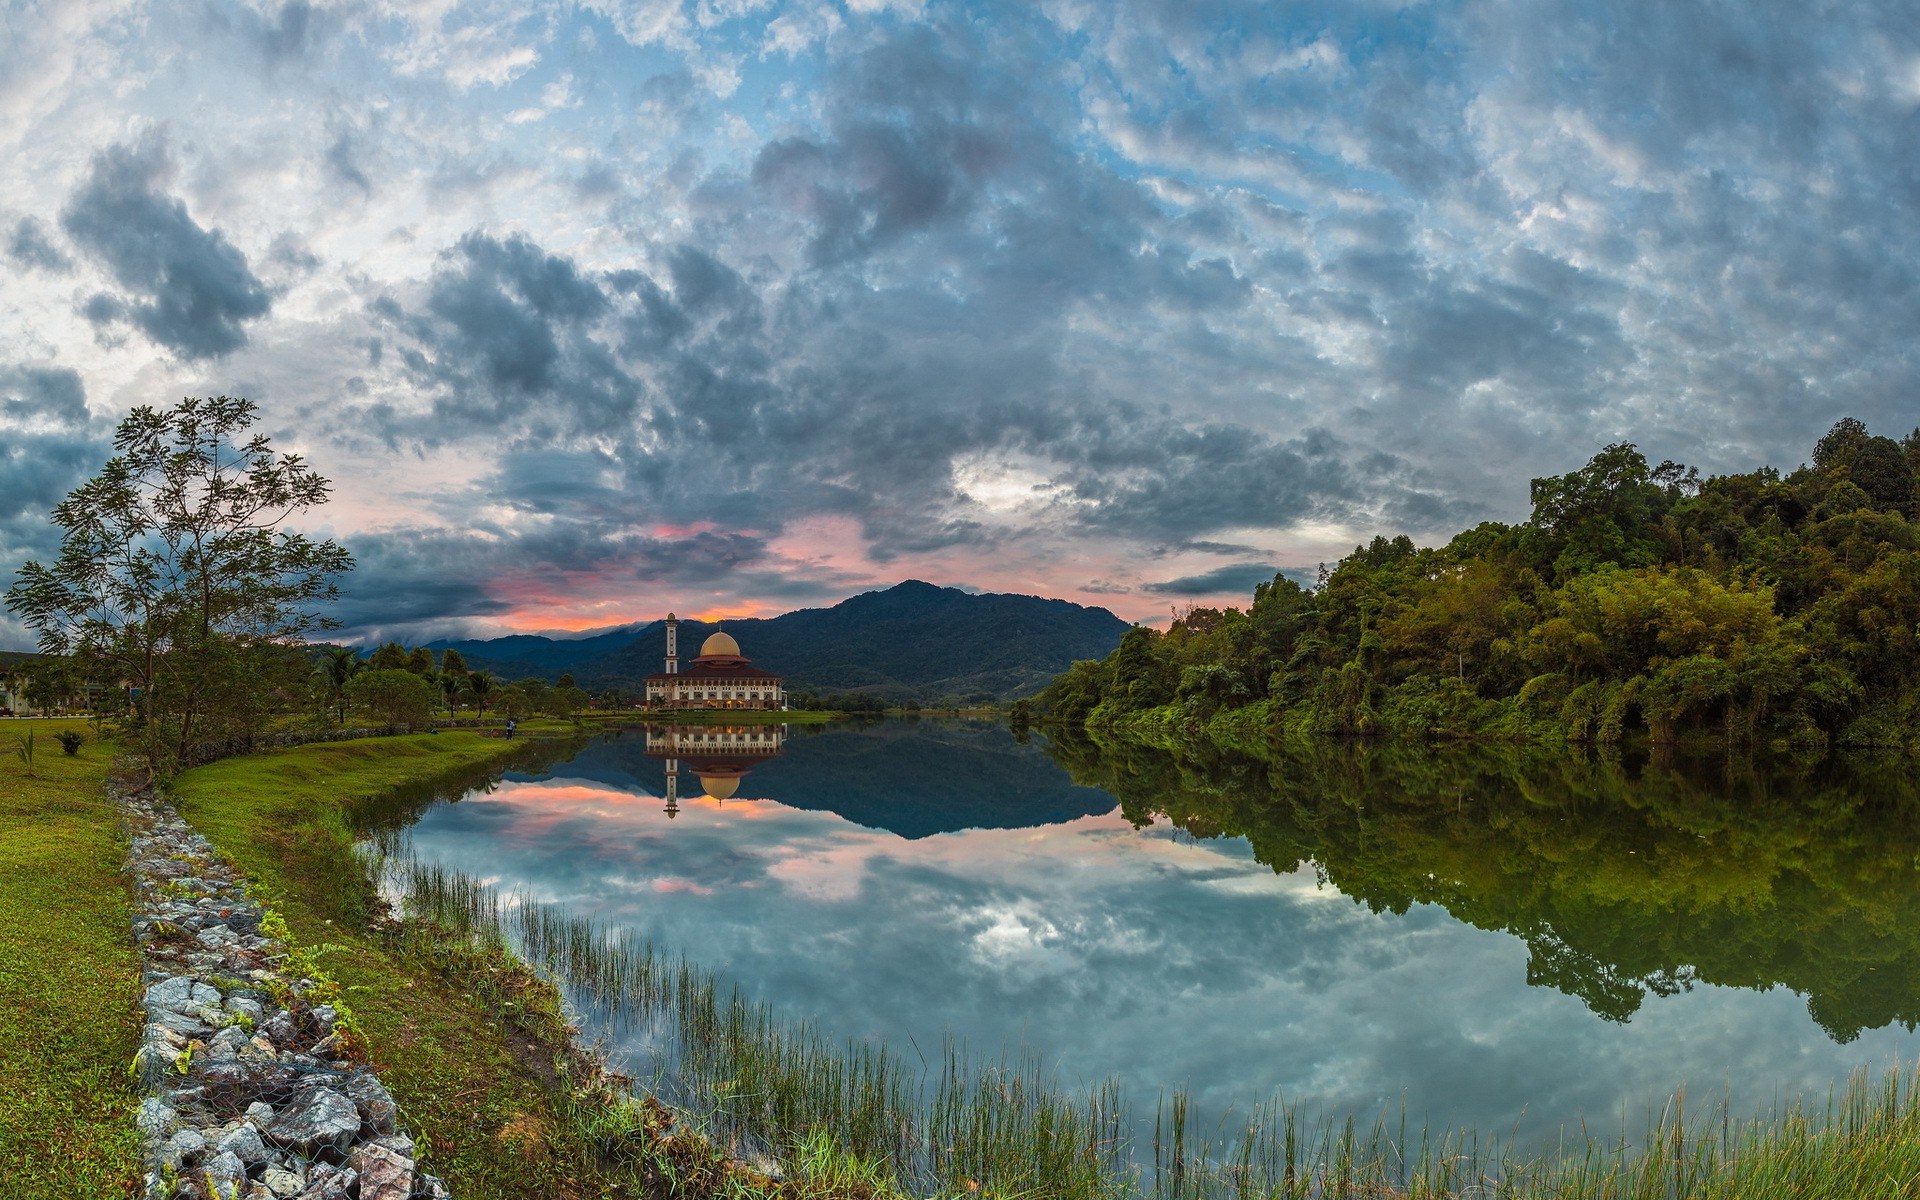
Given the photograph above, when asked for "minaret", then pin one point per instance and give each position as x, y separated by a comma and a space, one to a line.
673, 788
673, 644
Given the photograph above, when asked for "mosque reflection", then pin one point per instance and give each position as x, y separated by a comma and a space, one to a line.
718, 757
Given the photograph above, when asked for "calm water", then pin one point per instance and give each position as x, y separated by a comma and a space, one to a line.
1497, 941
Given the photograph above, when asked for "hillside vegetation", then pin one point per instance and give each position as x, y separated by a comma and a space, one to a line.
913, 641
1636, 601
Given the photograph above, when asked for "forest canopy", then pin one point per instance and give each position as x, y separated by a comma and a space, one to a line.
1636, 600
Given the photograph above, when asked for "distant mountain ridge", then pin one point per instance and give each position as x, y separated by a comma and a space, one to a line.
912, 641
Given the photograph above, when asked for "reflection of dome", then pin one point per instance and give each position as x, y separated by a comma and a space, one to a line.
720, 644
720, 787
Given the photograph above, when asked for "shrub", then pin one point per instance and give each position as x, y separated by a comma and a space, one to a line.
395, 696
71, 740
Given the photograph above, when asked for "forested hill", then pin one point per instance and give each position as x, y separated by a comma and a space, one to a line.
1636, 601
911, 641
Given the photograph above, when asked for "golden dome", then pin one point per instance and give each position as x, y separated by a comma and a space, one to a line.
722, 645
720, 787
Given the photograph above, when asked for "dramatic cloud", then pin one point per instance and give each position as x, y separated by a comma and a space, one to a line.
31, 247
1095, 300
190, 289
1235, 577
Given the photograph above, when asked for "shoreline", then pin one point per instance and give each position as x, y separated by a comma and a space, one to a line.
451, 1014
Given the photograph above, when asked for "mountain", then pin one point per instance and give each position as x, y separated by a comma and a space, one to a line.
911, 641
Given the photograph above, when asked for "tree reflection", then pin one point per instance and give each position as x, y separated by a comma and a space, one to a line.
1625, 877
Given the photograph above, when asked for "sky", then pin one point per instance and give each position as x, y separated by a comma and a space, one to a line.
594, 310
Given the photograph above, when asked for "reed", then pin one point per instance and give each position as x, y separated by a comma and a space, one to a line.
770, 1087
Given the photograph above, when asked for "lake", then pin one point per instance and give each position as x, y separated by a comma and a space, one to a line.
1495, 939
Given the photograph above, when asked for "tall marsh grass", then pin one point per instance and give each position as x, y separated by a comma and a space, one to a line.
956, 1127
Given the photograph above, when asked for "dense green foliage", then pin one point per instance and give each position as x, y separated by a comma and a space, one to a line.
1625, 879
179, 580
1636, 600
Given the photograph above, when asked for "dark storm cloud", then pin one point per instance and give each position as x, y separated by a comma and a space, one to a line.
190, 289
48, 446
1234, 577
30, 246
508, 336
750, 398
424, 581
55, 395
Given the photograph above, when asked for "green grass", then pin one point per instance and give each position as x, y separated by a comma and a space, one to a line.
483, 1119
69, 974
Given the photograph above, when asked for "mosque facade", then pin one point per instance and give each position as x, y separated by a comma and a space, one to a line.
719, 677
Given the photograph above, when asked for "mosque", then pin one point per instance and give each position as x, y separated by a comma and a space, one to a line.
721, 677
719, 756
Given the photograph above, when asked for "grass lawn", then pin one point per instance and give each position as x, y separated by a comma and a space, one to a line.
69, 974
484, 1120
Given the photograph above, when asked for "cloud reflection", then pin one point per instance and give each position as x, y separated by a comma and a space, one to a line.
1139, 953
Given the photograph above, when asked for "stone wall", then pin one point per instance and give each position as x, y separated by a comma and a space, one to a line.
253, 1091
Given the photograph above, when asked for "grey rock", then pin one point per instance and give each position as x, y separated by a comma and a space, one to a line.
385, 1174
243, 1142
243, 1006
232, 1037
161, 1034
223, 1171
260, 1113
183, 1149
157, 1118
333, 1185
283, 1183
377, 1108
315, 1120
175, 992
433, 1188
399, 1143
179, 1023
280, 1029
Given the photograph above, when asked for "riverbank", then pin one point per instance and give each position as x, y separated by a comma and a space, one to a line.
477, 1051
474, 1046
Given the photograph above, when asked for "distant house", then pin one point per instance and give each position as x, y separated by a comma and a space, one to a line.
720, 677
13, 673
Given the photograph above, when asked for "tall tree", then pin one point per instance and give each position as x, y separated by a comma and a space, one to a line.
420, 660
177, 573
453, 663
338, 666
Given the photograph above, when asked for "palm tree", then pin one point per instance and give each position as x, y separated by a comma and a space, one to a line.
451, 684
480, 686
338, 666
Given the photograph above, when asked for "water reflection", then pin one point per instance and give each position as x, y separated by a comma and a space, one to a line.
1484, 934
718, 756
1627, 880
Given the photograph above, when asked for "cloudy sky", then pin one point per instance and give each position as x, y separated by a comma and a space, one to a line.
593, 310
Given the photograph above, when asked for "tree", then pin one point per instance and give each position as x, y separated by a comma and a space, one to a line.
453, 663
396, 697
390, 657
338, 666
178, 577
480, 687
420, 661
